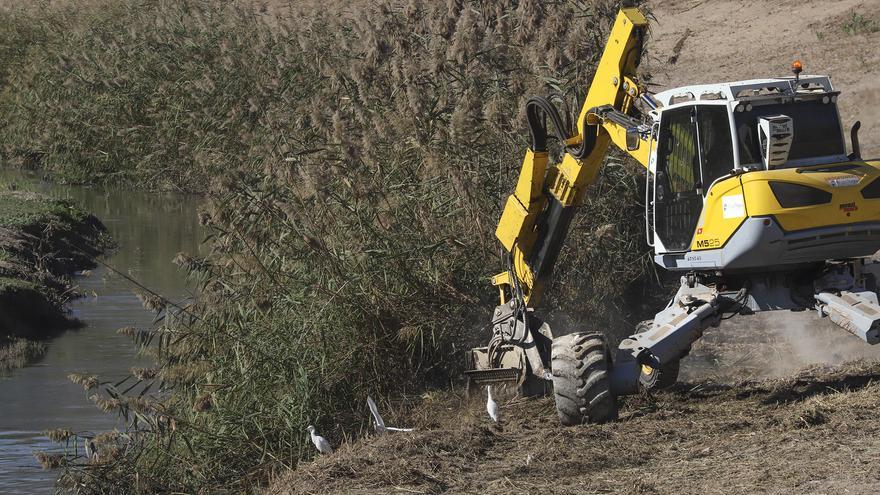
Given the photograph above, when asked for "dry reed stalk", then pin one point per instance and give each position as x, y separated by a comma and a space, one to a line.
351, 197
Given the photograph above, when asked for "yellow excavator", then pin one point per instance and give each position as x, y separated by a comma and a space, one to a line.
750, 195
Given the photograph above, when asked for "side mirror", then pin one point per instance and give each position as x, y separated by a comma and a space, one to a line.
633, 139
854, 138
775, 134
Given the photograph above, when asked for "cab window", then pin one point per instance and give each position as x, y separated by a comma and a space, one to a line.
716, 143
817, 130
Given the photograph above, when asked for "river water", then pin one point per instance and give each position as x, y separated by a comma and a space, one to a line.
150, 230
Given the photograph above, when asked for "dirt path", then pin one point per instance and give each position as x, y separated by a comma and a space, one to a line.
727, 40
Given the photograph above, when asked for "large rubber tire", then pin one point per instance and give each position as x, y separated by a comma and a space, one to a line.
581, 381
657, 378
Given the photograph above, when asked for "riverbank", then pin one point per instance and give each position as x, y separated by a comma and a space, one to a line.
43, 242
148, 230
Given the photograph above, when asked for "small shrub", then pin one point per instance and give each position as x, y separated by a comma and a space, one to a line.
858, 23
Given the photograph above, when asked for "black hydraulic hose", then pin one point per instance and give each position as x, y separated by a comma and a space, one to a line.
588, 141
538, 107
535, 107
520, 312
738, 301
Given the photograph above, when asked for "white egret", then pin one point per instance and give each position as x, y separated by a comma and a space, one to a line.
491, 405
320, 442
378, 423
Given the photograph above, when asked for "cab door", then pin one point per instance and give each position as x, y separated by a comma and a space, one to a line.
694, 148
678, 197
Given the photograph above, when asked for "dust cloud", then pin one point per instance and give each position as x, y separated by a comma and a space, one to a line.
772, 345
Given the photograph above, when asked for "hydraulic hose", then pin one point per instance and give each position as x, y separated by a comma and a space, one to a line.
588, 140
538, 109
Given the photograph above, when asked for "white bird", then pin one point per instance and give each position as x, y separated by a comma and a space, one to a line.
320, 442
378, 423
491, 405
91, 449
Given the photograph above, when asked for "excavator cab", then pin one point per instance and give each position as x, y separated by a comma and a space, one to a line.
750, 195
727, 156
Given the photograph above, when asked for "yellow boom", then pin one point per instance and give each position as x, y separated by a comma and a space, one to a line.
536, 216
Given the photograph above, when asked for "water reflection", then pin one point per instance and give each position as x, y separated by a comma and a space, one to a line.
150, 229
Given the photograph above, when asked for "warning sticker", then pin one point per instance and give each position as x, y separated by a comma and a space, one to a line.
733, 206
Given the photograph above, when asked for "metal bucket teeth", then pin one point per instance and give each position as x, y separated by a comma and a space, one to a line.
493, 375
478, 378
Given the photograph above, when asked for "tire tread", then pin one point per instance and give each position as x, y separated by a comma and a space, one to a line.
580, 379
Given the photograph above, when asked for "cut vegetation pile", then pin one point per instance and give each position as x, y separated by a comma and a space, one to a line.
811, 433
355, 164
42, 242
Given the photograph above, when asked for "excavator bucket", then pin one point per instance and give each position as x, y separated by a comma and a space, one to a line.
516, 354
508, 370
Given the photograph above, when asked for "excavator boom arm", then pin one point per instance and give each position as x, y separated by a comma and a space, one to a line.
536, 217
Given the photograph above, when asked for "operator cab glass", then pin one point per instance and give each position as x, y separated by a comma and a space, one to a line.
694, 150
817, 137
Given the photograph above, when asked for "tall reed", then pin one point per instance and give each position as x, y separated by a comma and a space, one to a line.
355, 160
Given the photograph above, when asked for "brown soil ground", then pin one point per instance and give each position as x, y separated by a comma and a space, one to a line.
757, 413
811, 433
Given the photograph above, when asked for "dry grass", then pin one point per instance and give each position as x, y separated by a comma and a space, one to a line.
17, 352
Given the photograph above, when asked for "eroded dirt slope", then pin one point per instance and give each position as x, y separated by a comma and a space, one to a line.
706, 41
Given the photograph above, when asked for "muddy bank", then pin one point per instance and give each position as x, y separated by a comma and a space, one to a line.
811, 433
43, 242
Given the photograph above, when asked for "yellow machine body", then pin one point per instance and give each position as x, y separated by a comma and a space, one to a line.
846, 206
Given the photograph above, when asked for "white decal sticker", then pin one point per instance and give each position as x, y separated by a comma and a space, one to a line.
844, 181
733, 206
